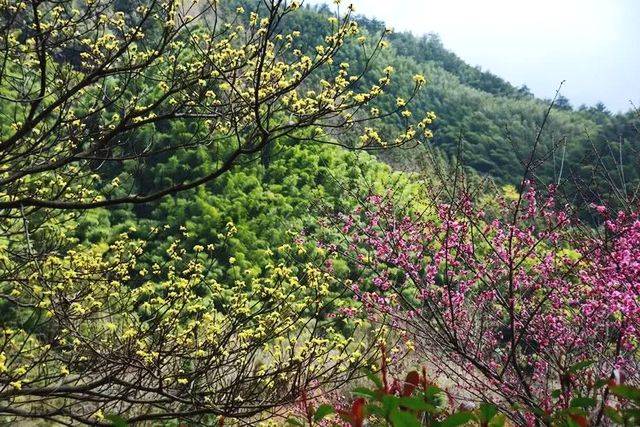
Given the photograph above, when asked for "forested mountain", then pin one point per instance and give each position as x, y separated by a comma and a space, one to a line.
493, 123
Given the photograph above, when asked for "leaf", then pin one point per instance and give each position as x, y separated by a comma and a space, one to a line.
294, 422
579, 420
632, 414
538, 411
583, 402
375, 410
403, 419
601, 383
364, 392
416, 404
323, 411
487, 412
411, 383
457, 419
432, 391
389, 403
613, 414
556, 393
498, 420
571, 411
627, 392
580, 366
117, 421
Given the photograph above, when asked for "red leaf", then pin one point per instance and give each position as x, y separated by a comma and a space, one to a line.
355, 415
410, 383
357, 412
580, 420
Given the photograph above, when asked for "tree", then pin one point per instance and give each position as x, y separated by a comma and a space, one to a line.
104, 80
563, 103
509, 297
95, 95
97, 334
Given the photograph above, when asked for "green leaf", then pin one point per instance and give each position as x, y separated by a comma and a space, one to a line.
631, 413
294, 422
583, 402
416, 404
403, 419
364, 392
613, 415
627, 392
389, 403
432, 391
375, 410
556, 393
566, 413
580, 366
487, 411
457, 419
117, 421
538, 411
323, 411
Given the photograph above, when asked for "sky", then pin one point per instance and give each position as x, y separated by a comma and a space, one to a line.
593, 45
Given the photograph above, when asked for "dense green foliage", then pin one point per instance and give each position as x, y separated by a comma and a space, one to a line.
492, 123
267, 205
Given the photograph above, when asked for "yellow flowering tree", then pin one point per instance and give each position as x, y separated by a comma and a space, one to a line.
89, 345
90, 331
84, 86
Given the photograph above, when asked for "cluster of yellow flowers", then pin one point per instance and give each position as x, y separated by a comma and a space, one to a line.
112, 310
234, 78
106, 309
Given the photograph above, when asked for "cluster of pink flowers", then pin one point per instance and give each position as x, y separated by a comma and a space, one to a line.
505, 299
614, 277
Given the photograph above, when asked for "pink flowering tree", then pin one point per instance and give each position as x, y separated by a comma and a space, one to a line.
513, 300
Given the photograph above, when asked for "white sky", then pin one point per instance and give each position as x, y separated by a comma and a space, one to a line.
592, 44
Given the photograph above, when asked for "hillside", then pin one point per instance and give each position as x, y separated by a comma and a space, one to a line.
494, 123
